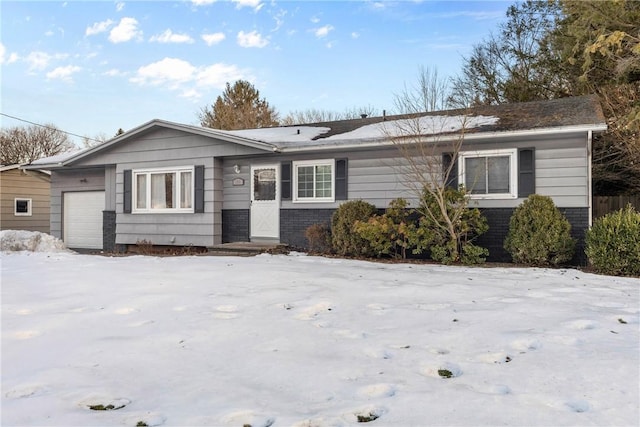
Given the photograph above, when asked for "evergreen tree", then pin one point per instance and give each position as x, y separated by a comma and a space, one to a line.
239, 107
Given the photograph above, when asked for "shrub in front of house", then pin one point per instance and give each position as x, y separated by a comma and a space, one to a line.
394, 233
344, 239
450, 238
613, 243
539, 234
318, 238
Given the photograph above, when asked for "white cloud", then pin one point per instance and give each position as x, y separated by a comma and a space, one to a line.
177, 74
114, 72
119, 6
13, 58
323, 31
279, 18
38, 60
98, 27
63, 73
254, 4
202, 2
170, 37
355, 35
126, 30
2, 52
169, 70
252, 39
213, 38
217, 75
191, 94
315, 19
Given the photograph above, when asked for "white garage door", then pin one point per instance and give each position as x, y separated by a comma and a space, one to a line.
83, 219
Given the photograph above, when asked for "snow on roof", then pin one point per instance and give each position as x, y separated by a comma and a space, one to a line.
276, 135
58, 158
424, 126
289, 136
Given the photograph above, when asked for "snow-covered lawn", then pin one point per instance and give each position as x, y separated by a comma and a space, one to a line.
308, 341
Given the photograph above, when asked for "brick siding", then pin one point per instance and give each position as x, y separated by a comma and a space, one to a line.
109, 231
294, 222
235, 225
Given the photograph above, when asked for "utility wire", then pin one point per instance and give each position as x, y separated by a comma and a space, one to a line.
50, 127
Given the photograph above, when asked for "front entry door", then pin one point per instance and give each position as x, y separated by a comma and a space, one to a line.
265, 203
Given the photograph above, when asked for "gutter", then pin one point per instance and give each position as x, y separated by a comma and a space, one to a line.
589, 176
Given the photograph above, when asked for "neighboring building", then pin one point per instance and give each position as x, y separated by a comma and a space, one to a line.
175, 184
24, 199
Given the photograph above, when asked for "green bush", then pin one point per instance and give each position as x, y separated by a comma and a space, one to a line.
393, 233
319, 238
449, 238
613, 243
539, 234
345, 241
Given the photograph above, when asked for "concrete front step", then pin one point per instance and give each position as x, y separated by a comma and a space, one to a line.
247, 248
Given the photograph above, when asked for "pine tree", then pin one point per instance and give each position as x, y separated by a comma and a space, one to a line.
239, 107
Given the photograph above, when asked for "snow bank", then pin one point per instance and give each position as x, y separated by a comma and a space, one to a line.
33, 241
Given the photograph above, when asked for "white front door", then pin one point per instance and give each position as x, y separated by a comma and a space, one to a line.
265, 202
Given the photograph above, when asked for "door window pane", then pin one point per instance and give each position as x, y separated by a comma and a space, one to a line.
264, 184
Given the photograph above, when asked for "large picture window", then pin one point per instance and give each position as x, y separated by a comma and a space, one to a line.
314, 181
163, 190
490, 173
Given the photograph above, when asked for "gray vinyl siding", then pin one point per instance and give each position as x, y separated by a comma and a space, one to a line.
63, 181
110, 188
181, 229
167, 148
379, 176
16, 183
562, 170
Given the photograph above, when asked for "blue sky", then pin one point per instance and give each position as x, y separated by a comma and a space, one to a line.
92, 67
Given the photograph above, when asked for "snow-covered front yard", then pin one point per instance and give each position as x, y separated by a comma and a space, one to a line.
307, 341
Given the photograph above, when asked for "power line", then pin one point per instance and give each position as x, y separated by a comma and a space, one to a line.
49, 127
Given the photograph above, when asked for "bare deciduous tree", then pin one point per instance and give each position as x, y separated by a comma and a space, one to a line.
318, 116
429, 145
25, 144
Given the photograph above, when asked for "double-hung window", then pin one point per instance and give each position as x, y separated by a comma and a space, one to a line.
166, 190
489, 173
314, 181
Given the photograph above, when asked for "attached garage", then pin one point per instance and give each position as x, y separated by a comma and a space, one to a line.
82, 212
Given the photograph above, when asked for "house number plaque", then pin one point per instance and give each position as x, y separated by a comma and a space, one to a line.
238, 182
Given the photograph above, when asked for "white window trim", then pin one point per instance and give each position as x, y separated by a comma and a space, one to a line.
325, 162
29, 206
513, 171
148, 172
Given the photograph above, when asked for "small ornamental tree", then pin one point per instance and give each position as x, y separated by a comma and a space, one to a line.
539, 234
613, 243
343, 237
468, 223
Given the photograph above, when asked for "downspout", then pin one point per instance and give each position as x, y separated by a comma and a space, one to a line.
589, 175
